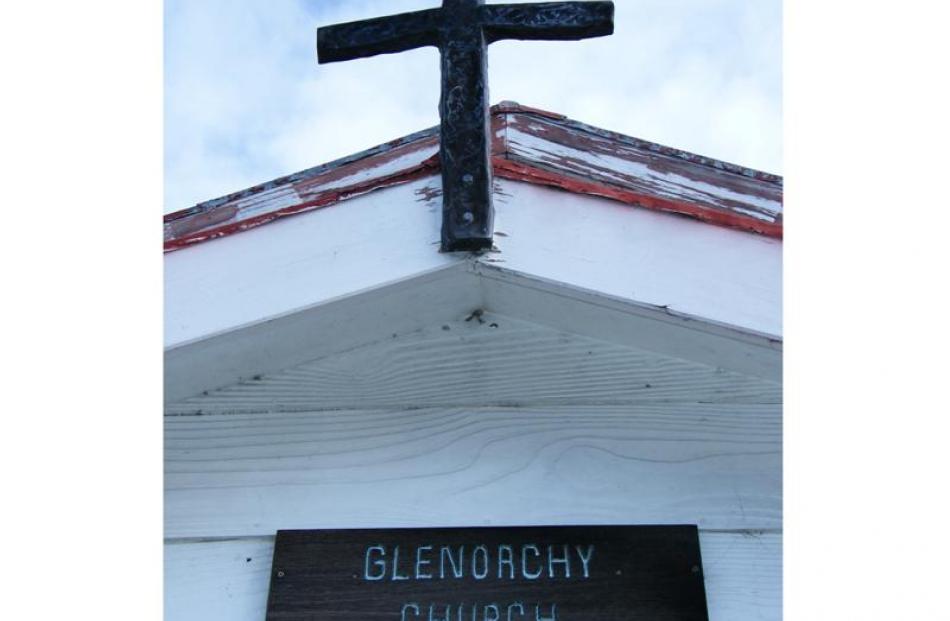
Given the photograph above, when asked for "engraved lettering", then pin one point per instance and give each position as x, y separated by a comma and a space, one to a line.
585, 558
520, 607
553, 561
506, 557
524, 561
377, 563
407, 606
420, 563
538, 617
396, 575
561, 560
492, 611
457, 566
480, 575
445, 618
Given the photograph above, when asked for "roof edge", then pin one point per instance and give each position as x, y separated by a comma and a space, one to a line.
693, 158
416, 155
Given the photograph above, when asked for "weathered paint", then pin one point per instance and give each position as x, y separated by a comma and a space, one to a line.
375, 171
517, 171
462, 30
528, 144
574, 153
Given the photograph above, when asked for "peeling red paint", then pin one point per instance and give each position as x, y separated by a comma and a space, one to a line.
528, 145
428, 167
176, 229
513, 106
311, 187
602, 160
428, 193
499, 134
517, 171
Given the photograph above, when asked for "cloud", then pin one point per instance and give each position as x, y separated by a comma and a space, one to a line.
245, 100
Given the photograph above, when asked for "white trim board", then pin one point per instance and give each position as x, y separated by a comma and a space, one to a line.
300, 262
714, 274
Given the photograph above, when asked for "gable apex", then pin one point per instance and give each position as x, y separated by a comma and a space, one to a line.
529, 145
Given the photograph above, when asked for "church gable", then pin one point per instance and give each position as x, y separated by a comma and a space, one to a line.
351, 274
613, 357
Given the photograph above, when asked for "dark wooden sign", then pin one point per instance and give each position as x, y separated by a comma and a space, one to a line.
563, 573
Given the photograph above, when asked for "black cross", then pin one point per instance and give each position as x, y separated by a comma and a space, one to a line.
462, 30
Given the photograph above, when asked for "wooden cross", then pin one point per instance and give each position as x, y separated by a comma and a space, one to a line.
462, 30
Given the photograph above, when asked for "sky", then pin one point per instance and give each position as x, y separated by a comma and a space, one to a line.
246, 101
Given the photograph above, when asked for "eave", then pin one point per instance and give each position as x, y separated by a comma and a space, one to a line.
528, 145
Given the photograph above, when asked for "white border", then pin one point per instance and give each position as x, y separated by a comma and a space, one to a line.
866, 421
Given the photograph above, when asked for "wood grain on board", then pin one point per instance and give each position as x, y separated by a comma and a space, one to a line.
718, 466
482, 361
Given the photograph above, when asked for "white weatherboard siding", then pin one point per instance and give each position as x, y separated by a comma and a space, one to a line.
606, 365
491, 422
492, 360
234, 479
236, 475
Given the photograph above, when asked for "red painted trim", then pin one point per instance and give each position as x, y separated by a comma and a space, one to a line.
211, 220
507, 107
517, 171
428, 167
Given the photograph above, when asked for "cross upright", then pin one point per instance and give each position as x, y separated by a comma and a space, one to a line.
462, 30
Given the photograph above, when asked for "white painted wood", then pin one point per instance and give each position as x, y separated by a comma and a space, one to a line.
368, 414
228, 580
354, 273
708, 272
444, 297
299, 262
218, 580
485, 360
322, 330
743, 574
718, 466
390, 235
629, 323
614, 162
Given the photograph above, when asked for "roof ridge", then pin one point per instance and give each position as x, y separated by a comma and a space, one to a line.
536, 146
503, 107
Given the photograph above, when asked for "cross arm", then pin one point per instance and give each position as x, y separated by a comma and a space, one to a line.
563, 21
384, 35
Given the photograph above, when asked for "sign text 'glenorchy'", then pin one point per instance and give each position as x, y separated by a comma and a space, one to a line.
462, 30
554, 573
